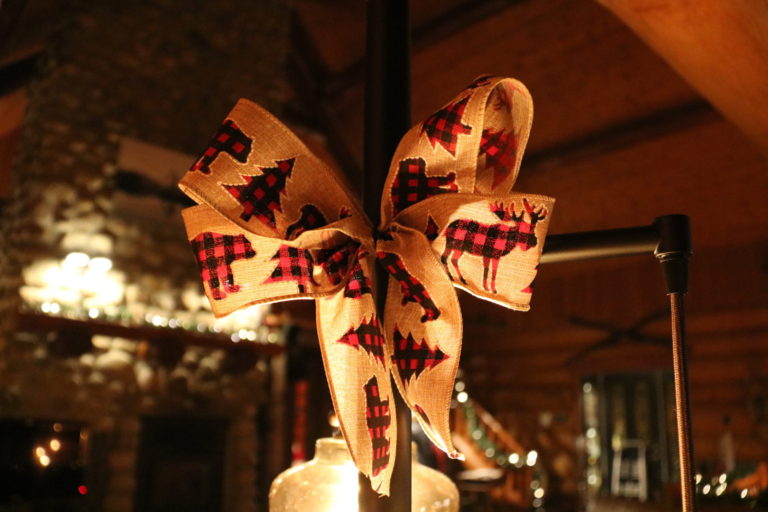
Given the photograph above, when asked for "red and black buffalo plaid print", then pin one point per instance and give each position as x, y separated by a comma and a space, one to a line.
444, 126
422, 413
336, 260
412, 358
293, 264
378, 419
500, 150
311, 218
228, 139
411, 184
215, 253
260, 196
367, 335
359, 284
431, 231
479, 82
411, 288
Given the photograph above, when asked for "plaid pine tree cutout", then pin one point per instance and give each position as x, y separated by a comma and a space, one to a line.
411, 288
412, 358
215, 254
293, 264
500, 150
367, 335
310, 218
444, 126
335, 261
378, 419
431, 231
260, 196
412, 184
359, 284
228, 139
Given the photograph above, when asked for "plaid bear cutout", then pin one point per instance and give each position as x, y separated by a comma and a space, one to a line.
367, 335
310, 218
500, 150
260, 196
378, 419
293, 264
444, 126
359, 284
215, 254
229, 139
412, 358
411, 184
336, 261
411, 288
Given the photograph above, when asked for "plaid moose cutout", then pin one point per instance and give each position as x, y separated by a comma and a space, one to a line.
367, 335
444, 126
335, 261
293, 264
229, 139
260, 196
411, 288
378, 419
215, 254
412, 358
491, 241
500, 150
310, 218
359, 284
412, 184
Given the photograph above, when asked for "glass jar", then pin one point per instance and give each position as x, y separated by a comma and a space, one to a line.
328, 483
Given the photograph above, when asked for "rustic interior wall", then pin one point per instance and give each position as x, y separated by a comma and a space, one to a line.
164, 72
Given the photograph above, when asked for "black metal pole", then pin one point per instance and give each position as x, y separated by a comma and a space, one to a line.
387, 118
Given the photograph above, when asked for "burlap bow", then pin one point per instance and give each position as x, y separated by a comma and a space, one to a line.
274, 223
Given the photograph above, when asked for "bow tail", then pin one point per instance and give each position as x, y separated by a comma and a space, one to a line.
357, 364
423, 324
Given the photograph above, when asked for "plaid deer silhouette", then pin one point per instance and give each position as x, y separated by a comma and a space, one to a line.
215, 254
491, 241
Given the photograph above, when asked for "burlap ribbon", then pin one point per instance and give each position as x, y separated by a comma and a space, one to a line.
274, 223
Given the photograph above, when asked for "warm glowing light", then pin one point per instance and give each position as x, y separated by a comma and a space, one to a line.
55, 445
722, 478
235, 338
462, 397
587, 387
490, 452
40, 451
100, 264
459, 387
44, 460
591, 432
721, 489
514, 458
76, 260
476, 435
538, 493
57, 427
83, 490
55, 308
535, 484
706, 489
698, 478
93, 313
530, 460
537, 502
592, 479
744, 493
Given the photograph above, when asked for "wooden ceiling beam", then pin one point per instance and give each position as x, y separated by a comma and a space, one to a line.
721, 48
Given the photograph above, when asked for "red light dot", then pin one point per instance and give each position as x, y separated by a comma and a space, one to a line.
82, 489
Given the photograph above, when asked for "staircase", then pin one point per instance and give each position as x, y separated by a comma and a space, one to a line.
496, 449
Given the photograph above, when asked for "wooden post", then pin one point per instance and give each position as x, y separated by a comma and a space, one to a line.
387, 118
